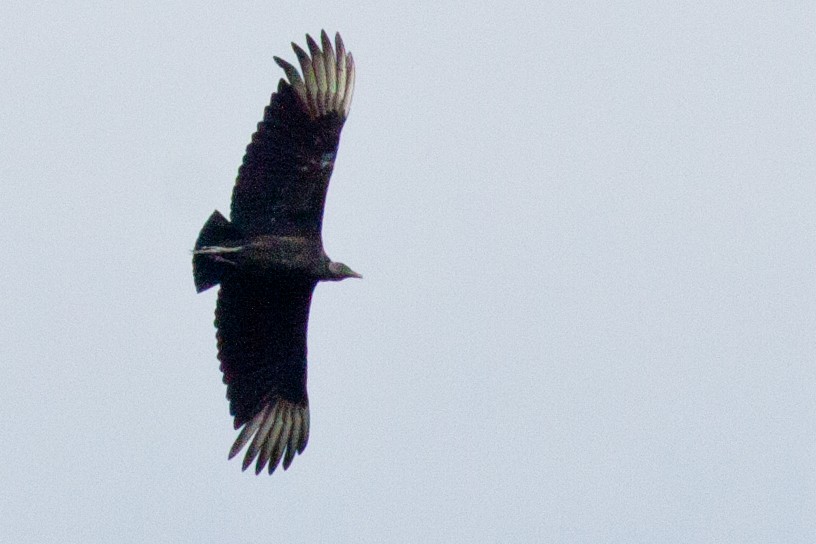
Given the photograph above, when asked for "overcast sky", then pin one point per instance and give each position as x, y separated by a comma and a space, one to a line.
588, 236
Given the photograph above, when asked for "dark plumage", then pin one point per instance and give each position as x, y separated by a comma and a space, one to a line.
269, 257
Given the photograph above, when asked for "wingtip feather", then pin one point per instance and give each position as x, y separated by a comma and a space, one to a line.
246, 433
309, 80
260, 436
314, 49
328, 76
295, 81
304, 431
330, 66
278, 432
283, 440
294, 438
349, 92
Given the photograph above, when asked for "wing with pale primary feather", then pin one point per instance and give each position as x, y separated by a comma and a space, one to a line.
261, 336
282, 183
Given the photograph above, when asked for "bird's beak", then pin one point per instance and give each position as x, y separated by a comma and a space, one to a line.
356, 275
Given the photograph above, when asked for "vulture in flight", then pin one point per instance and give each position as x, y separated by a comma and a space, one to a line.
269, 256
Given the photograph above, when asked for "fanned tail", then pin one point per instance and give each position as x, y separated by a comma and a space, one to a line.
208, 265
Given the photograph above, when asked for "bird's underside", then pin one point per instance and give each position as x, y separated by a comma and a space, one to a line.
269, 257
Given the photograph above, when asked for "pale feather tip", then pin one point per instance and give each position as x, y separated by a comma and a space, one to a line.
279, 431
327, 82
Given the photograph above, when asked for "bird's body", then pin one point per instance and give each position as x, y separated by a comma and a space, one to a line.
266, 254
269, 256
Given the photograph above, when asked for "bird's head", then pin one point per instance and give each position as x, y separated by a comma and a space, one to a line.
339, 271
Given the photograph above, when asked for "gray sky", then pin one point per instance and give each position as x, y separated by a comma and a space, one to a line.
588, 240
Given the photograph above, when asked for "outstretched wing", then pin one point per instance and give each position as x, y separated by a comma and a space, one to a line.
262, 348
281, 186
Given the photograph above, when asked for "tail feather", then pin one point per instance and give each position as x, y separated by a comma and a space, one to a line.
208, 268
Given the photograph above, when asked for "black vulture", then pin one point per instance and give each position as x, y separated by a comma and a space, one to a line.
269, 256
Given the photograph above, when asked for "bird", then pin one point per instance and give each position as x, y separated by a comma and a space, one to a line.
268, 257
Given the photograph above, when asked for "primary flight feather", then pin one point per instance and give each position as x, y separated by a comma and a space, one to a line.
269, 256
